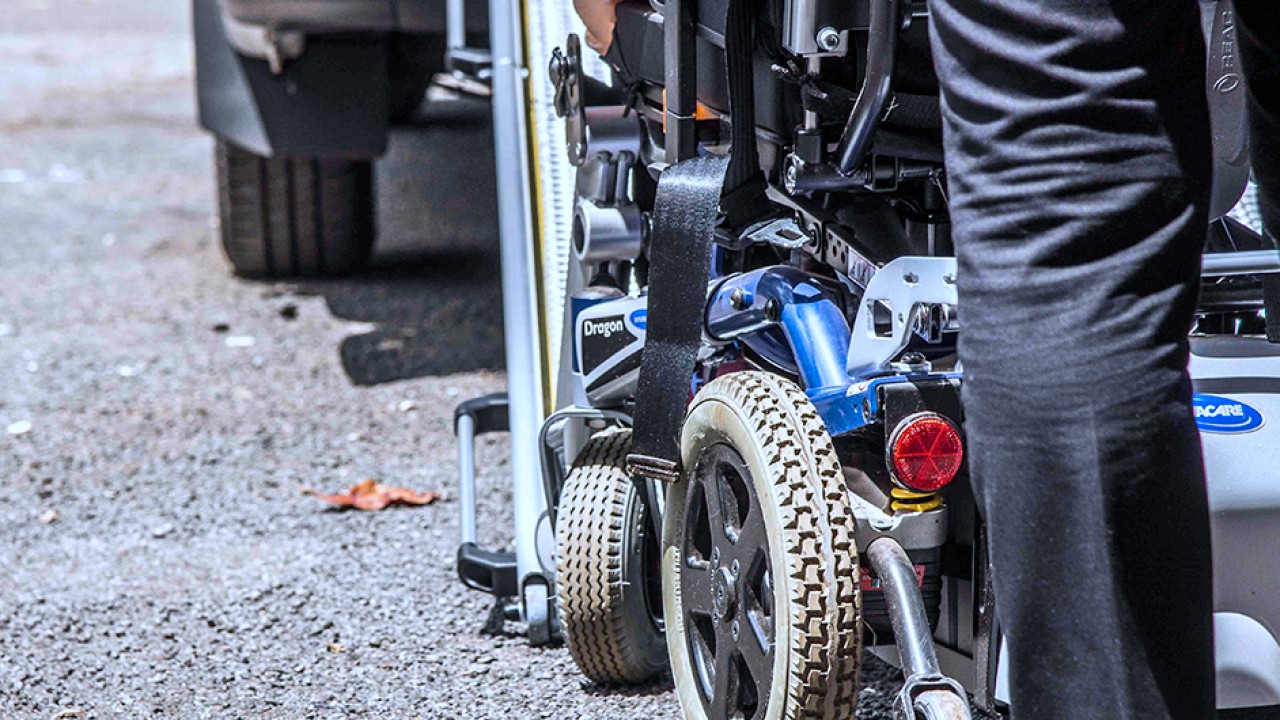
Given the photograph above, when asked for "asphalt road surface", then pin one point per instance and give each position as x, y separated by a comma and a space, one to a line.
158, 417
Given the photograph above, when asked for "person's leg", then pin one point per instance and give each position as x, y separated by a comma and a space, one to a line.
1076, 134
1259, 43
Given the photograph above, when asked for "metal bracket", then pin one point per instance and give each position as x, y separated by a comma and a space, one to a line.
565, 71
462, 61
785, 233
900, 288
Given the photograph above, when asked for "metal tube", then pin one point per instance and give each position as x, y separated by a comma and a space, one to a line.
906, 608
523, 350
814, 65
1254, 262
679, 33
467, 477
455, 24
814, 326
877, 83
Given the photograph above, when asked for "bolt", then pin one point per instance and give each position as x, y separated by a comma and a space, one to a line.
715, 556
735, 630
556, 67
734, 567
738, 299
772, 311
790, 176
828, 38
912, 358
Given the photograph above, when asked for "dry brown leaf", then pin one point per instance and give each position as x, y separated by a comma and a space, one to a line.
370, 495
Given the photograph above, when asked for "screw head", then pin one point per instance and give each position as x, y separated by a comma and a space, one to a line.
734, 566
735, 630
738, 299
828, 38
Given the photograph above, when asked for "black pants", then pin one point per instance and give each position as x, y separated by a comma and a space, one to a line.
1078, 162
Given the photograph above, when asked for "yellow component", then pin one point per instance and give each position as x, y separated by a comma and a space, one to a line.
904, 500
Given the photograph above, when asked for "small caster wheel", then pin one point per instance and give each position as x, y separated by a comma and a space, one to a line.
941, 705
607, 568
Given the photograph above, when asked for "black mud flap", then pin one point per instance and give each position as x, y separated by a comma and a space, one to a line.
329, 102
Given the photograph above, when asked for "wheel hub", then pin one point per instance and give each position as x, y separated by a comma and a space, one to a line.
725, 595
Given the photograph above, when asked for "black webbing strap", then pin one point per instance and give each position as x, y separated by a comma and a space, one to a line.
685, 213
743, 199
689, 199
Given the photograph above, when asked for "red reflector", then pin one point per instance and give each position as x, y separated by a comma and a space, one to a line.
925, 452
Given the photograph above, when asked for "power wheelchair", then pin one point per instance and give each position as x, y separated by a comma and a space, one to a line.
756, 465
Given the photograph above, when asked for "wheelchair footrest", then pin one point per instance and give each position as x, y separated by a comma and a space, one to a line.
487, 570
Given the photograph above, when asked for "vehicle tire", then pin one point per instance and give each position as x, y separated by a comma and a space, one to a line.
759, 565
607, 568
294, 216
941, 705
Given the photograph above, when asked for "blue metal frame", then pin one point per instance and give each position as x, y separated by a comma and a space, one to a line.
750, 307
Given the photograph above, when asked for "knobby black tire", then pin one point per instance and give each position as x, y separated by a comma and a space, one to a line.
294, 217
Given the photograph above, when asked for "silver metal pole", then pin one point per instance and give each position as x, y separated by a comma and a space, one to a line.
456, 24
467, 477
523, 351
1254, 262
906, 609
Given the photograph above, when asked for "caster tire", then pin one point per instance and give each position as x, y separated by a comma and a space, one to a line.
759, 565
941, 705
607, 568
299, 217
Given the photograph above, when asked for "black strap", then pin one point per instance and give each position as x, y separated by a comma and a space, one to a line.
689, 199
685, 213
743, 200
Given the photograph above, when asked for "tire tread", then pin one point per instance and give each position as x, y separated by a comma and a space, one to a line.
825, 646
595, 514
294, 216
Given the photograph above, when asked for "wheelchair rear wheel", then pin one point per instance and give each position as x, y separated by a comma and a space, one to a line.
760, 568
